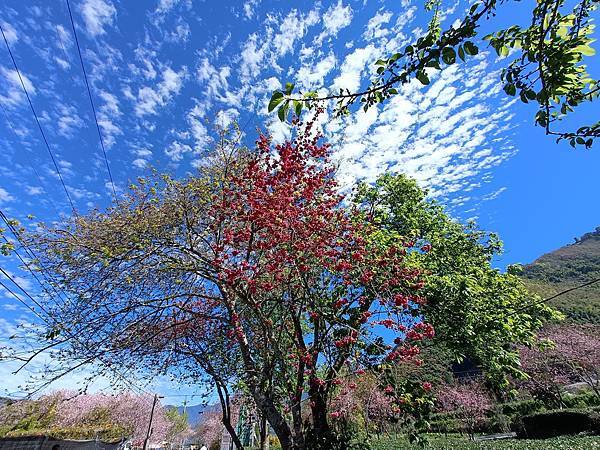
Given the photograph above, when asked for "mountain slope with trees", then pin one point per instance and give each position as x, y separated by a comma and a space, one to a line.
568, 267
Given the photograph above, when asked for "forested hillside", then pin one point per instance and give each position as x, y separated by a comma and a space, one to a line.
567, 267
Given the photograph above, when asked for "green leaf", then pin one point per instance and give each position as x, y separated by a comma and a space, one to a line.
298, 107
283, 110
523, 96
448, 55
470, 48
276, 99
461, 53
585, 50
530, 93
395, 57
289, 87
510, 89
422, 77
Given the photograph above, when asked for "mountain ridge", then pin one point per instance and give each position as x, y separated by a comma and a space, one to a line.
566, 267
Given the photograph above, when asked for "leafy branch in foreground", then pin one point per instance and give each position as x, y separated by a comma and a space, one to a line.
547, 66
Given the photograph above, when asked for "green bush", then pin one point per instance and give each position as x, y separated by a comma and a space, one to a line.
558, 422
581, 401
522, 408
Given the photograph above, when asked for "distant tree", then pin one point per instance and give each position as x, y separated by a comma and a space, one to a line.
253, 272
578, 347
477, 311
179, 428
545, 63
209, 430
128, 411
81, 416
570, 353
468, 401
546, 373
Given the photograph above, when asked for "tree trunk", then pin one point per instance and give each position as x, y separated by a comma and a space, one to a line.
322, 435
226, 418
264, 433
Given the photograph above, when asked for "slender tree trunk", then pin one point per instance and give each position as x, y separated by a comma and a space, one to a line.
226, 417
264, 433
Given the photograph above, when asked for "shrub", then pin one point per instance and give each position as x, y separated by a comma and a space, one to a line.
581, 401
522, 408
558, 422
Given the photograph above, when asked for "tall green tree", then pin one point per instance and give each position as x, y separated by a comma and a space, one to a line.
477, 311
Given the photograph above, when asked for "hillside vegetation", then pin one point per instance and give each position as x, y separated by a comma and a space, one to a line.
567, 267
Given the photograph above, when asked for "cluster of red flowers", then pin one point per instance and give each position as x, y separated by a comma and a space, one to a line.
283, 230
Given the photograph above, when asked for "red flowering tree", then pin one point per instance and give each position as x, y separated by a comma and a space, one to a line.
469, 401
254, 271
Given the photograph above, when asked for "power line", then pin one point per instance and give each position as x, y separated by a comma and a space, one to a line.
87, 84
10, 291
31, 165
38, 121
544, 300
42, 308
69, 334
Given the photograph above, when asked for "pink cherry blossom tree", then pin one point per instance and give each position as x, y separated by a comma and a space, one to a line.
546, 373
209, 431
578, 346
127, 410
469, 401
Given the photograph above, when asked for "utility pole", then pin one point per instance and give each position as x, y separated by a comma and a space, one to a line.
150, 422
184, 415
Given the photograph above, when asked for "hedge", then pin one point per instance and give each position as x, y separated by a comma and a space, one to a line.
559, 422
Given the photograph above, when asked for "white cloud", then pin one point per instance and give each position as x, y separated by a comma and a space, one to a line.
215, 80
374, 27
108, 113
224, 118
439, 134
177, 150
291, 29
140, 163
313, 75
198, 129
13, 91
252, 56
250, 8
97, 14
25, 283
337, 17
5, 196
353, 67
9, 32
68, 121
149, 99
34, 190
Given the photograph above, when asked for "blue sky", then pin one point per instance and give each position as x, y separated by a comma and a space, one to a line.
162, 72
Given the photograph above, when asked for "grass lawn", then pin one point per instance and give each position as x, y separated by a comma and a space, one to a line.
461, 443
